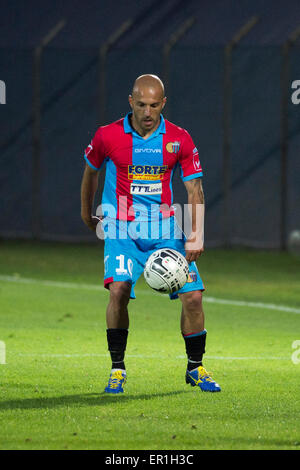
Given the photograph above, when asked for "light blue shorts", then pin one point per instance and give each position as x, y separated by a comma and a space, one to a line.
128, 245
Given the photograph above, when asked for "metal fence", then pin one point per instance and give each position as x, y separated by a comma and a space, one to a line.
235, 100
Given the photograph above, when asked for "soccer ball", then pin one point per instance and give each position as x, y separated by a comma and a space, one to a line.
166, 270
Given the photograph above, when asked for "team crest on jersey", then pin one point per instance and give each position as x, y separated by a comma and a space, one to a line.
173, 147
192, 277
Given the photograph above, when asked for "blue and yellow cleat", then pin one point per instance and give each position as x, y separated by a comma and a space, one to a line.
116, 381
201, 378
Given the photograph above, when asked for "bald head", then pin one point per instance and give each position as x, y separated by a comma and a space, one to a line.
147, 101
149, 83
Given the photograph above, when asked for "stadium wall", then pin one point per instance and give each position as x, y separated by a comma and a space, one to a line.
70, 117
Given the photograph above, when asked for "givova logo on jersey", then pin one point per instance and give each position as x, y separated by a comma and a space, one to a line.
146, 172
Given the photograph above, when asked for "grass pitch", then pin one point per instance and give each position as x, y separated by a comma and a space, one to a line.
52, 308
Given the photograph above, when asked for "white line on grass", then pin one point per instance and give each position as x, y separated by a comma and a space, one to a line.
155, 356
47, 283
242, 303
95, 287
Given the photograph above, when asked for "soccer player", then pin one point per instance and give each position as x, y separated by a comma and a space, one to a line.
141, 152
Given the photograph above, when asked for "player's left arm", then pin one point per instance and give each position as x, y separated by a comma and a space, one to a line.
194, 245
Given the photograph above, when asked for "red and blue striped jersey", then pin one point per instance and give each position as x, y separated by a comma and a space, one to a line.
139, 172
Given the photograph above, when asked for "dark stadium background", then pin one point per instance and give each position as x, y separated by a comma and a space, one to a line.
233, 97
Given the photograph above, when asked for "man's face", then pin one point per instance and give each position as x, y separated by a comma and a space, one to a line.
146, 104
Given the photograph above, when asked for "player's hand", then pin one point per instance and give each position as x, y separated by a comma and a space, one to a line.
193, 248
91, 221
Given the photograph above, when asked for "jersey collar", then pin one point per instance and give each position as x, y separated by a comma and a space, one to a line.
128, 129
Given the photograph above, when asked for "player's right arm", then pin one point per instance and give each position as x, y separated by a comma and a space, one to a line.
89, 185
94, 156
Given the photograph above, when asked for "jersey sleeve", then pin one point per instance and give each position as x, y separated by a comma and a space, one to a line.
95, 152
190, 166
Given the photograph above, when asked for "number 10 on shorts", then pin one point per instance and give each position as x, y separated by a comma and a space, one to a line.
121, 269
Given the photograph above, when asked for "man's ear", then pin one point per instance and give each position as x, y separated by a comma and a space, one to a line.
164, 102
130, 100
